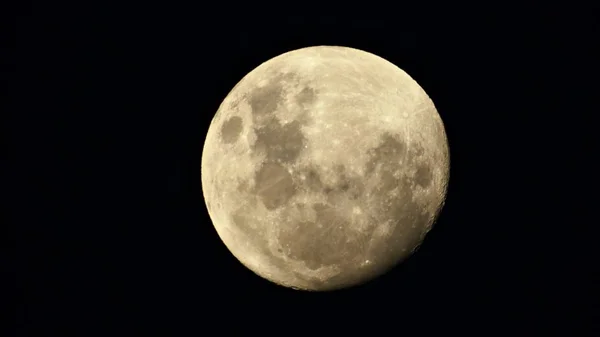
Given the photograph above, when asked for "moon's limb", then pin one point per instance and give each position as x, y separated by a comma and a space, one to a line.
324, 167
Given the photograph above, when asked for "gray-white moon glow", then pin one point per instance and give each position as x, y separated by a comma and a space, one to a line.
325, 167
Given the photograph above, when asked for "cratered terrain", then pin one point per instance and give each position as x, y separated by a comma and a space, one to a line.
325, 167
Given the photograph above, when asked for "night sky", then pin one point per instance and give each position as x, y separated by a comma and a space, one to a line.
111, 233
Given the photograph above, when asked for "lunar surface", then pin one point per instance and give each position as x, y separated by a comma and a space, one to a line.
324, 168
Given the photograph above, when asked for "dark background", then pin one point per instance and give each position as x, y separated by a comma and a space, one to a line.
111, 232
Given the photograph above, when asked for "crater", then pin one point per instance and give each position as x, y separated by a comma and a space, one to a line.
352, 188
280, 142
312, 180
231, 129
324, 242
309, 179
274, 185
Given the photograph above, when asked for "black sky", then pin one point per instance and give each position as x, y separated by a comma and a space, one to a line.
112, 235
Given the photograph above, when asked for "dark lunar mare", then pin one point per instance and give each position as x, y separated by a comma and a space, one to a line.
324, 242
401, 209
328, 241
231, 129
327, 246
281, 144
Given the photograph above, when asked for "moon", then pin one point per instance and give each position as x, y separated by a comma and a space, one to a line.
324, 167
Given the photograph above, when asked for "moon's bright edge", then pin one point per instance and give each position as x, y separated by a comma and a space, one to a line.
324, 167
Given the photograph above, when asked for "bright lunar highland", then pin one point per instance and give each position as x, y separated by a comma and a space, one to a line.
324, 168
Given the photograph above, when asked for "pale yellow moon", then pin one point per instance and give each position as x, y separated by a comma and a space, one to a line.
325, 167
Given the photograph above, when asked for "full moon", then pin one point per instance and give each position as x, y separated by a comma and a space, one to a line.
325, 167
